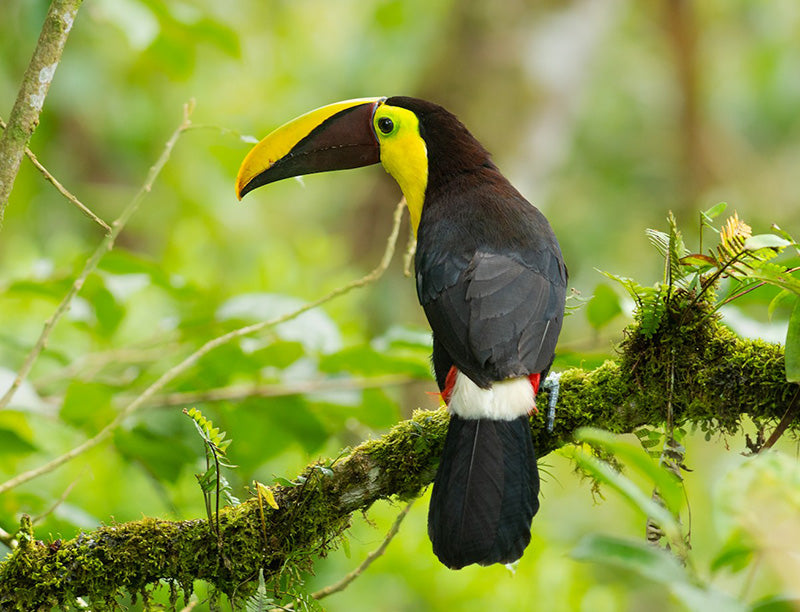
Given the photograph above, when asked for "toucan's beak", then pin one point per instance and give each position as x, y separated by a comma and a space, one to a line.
334, 137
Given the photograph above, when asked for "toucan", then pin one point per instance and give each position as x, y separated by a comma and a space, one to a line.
492, 282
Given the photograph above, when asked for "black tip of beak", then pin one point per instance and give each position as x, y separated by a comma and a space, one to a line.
253, 184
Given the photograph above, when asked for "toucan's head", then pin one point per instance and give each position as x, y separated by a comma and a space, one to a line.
419, 143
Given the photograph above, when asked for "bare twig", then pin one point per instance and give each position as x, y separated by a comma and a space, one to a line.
240, 392
106, 245
56, 504
209, 346
30, 99
342, 584
8, 538
63, 190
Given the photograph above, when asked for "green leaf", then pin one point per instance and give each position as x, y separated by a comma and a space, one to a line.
785, 298
783, 233
698, 259
792, 350
677, 249
160, 455
667, 483
636, 556
279, 354
659, 239
49, 288
778, 603
88, 405
765, 241
636, 498
366, 361
258, 601
776, 275
109, 312
216, 33
657, 565
122, 263
208, 479
715, 211
736, 554
603, 306
633, 288
306, 428
16, 436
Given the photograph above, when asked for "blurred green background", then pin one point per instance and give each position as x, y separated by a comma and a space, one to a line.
604, 113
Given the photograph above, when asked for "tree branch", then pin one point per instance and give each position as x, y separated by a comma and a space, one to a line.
718, 379
30, 99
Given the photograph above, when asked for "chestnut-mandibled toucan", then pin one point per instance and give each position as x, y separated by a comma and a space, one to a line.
492, 282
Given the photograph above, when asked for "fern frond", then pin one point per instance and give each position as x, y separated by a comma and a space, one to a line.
652, 307
633, 288
258, 601
732, 237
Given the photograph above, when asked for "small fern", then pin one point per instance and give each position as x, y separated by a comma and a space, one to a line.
212, 482
653, 308
259, 602
651, 302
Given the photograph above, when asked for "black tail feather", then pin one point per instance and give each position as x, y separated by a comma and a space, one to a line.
485, 493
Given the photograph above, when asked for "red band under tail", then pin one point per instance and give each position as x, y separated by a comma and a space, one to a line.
449, 383
535, 380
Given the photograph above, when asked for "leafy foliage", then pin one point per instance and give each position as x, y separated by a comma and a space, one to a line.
739, 255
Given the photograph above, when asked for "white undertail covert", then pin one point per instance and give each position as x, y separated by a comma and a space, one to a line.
503, 401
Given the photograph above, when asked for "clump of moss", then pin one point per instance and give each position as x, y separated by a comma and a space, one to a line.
701, 369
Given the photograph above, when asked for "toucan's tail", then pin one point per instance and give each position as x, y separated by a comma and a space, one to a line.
485, 492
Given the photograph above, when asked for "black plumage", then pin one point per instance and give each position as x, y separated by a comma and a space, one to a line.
486, 492
492, 282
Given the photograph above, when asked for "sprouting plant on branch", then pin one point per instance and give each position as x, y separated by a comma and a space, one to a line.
747, 260
212, 482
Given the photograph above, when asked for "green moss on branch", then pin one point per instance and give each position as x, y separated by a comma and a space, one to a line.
699, 368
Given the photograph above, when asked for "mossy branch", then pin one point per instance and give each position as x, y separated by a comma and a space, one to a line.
718, 379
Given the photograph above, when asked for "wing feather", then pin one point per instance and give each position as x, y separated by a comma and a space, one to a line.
499, 316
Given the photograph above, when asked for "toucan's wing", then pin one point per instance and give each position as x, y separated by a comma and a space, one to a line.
497, 314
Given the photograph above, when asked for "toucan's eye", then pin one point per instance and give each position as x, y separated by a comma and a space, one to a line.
385, 125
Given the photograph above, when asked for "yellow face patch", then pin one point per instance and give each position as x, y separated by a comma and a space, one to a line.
403, 154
